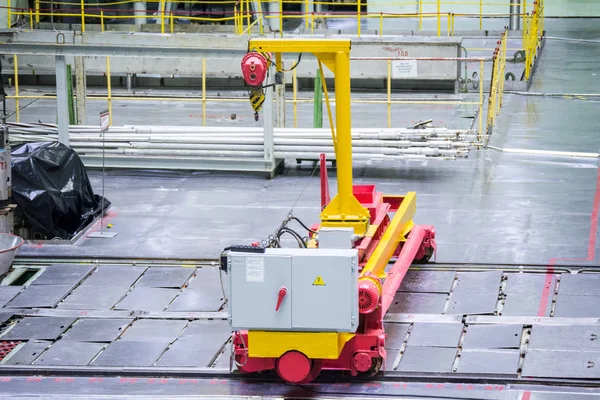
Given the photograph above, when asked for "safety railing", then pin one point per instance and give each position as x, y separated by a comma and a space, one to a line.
533, 32
497, 82
296, 98
250, 16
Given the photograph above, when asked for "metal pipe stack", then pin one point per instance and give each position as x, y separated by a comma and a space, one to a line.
154, 143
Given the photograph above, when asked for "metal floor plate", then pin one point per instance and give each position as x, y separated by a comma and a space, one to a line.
110, 275
92, 297
131, 354
97, 329
189, 352
427, 359
396, 333
565, 337
40, 296
580, 284
154, 330
26, 354
43, 328
568, 306
493, 337
427, 281
68, 352
561, 364
63, 274
504, 362
419, 303
166, 277
435, 334
7, 293
147, 299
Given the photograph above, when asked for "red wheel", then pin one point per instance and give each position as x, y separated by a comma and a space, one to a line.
294, 367
314, 372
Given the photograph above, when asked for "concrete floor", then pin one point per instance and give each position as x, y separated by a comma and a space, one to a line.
491, 208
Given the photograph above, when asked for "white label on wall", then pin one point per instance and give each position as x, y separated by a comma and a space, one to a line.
404, 69
104, 121
255, 269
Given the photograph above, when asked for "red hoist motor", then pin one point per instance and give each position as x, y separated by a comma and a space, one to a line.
255, 67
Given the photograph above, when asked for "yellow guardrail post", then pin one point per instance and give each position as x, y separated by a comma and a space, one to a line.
82, 6
389, 92
312, 23
306, 14
452, 24
102, 20
481, 14
248, 15
8, 14
109, 89
203, 92
381, 24
420, 15
30, 19
439, 17
358, 7
281, 18
295, 97
480, 100
16, 71
172, 22
37, 11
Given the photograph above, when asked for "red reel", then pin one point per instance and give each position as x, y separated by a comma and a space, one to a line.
254, 68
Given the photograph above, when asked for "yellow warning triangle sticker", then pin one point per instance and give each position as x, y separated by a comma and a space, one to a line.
319, 281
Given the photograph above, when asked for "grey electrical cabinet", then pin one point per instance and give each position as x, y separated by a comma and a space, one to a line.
317, 290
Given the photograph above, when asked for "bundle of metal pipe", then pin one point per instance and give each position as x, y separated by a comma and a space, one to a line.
224, 142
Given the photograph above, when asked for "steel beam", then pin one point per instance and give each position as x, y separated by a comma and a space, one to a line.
62, 101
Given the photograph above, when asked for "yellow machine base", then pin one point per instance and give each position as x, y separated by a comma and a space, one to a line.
316, 345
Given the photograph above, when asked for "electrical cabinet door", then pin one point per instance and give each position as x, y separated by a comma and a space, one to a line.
255, 283
325, 290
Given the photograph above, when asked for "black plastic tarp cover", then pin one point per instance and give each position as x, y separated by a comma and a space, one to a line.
52, 189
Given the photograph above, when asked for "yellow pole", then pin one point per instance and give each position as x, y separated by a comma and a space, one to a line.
30, 19
8, 14
203, 92
481, 14
343, 134
420, 15
452, 24
312, 23
108, 86
37, 11
162, 17
172, 20
305, 15
16, 67
281, 18
82, 6
380, 24
248, 14
480, 99
389, 93
295, 93
358, 18
439, 17
449, 21
102, 20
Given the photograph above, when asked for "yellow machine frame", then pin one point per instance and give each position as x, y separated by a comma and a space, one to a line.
344, 210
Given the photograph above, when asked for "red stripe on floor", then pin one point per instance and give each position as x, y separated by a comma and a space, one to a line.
526, 396
546, 293
594, 222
